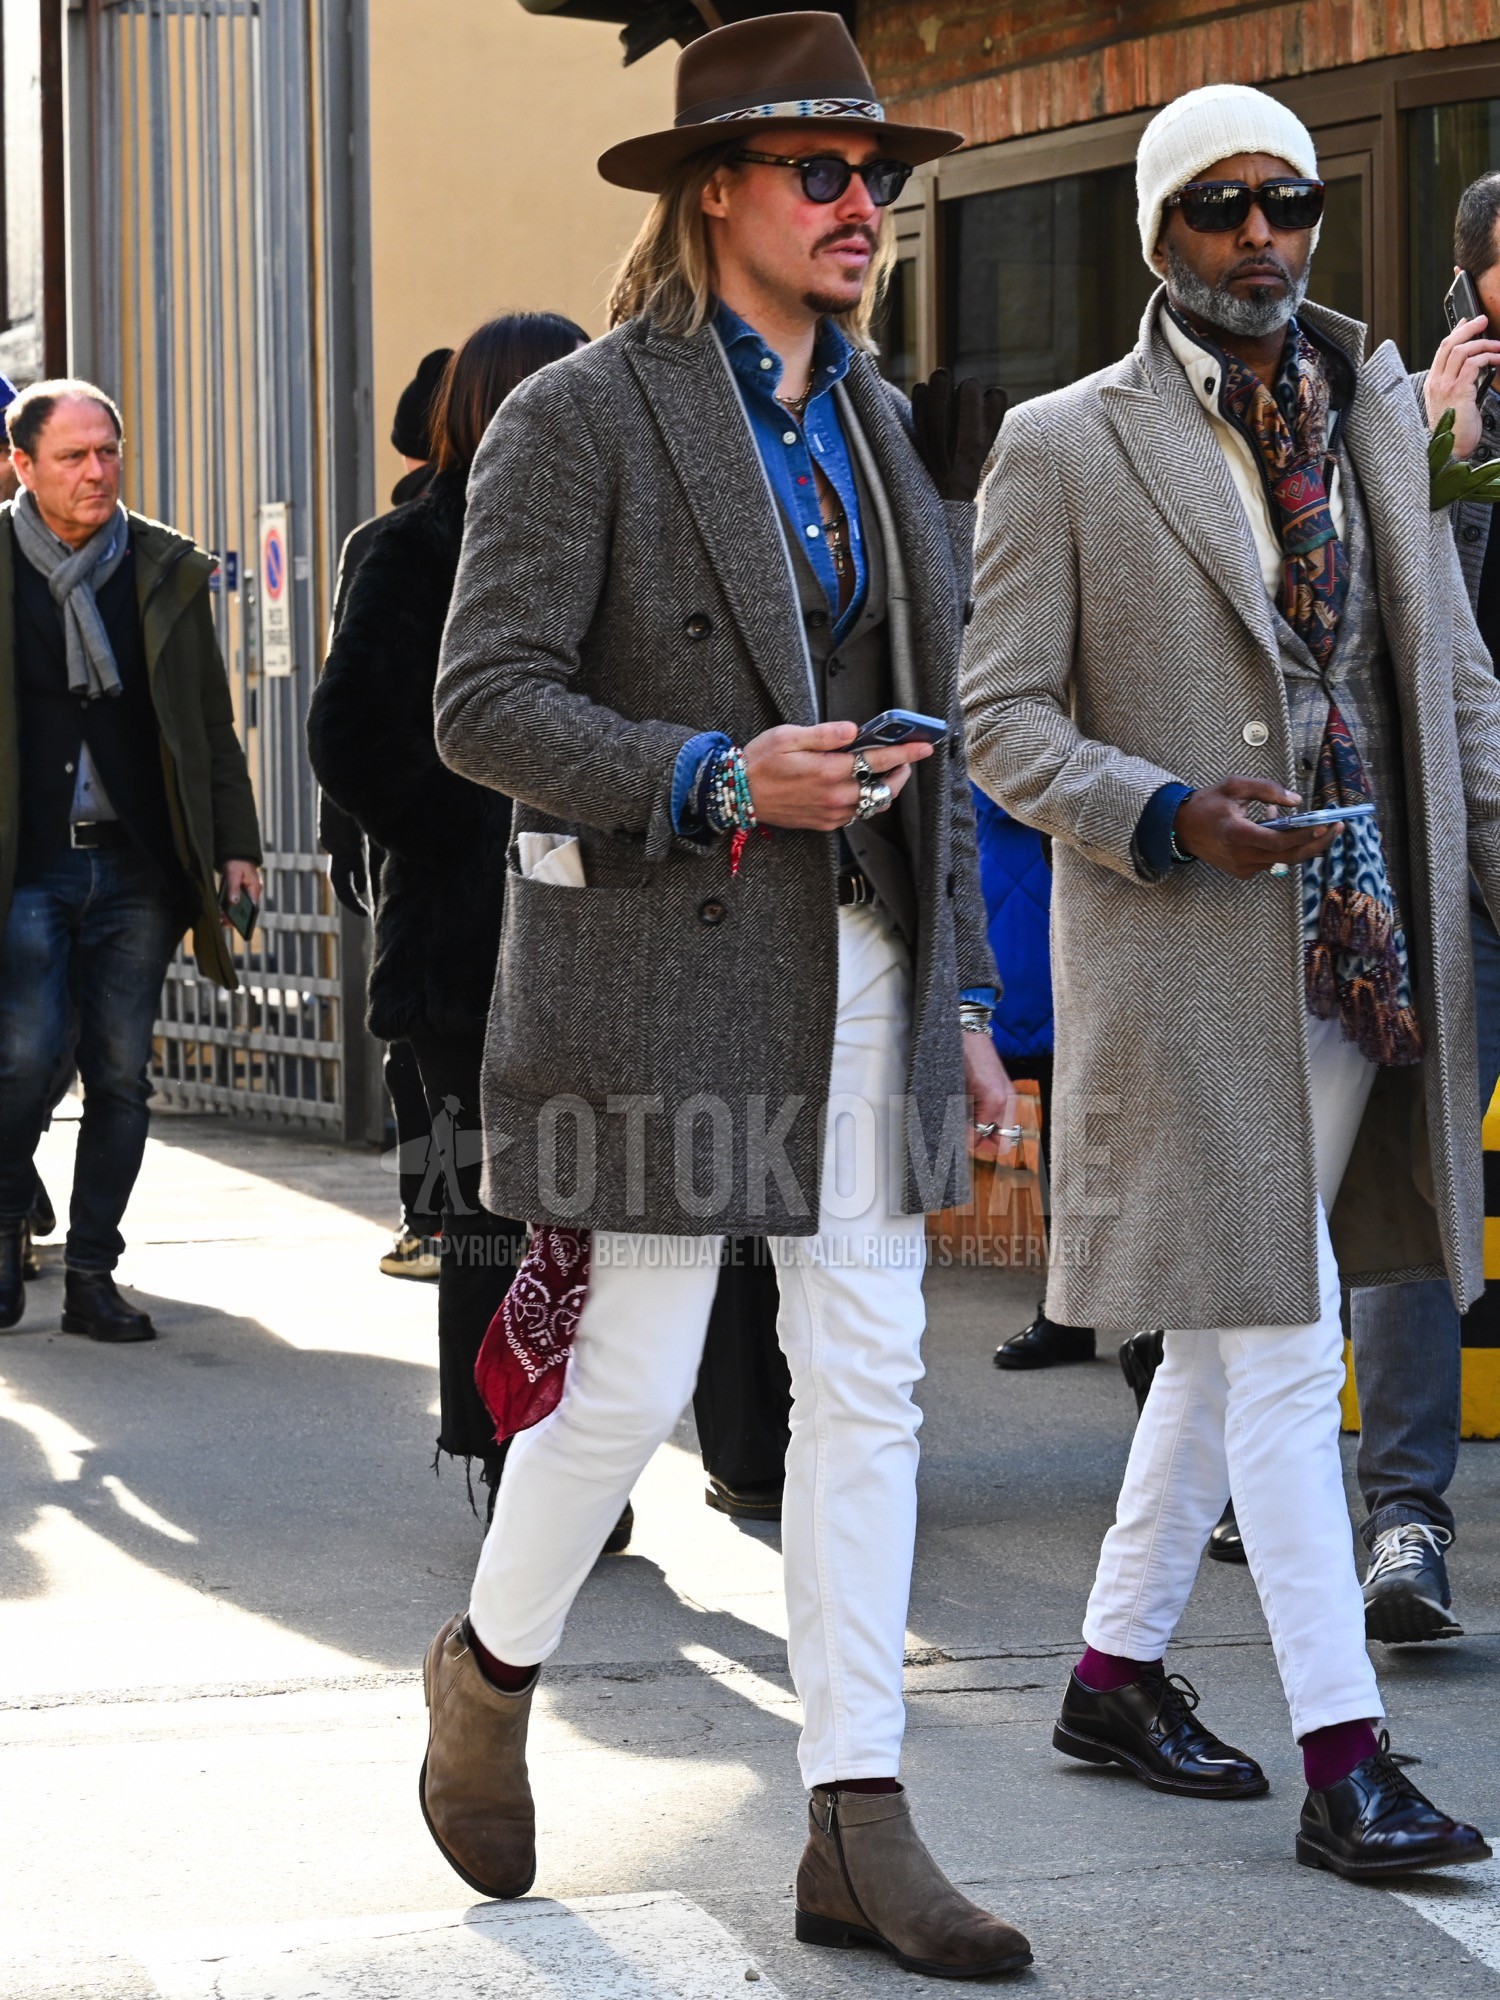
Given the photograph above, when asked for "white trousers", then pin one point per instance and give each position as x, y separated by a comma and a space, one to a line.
850, 1324
1253, 1412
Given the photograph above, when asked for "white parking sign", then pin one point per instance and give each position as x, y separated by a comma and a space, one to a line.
275, 590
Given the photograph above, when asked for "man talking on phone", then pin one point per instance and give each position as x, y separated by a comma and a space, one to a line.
699, 554
123, 793
1408, 1353
1265, 1039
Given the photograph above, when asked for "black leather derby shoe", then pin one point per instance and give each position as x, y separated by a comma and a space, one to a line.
1149, 1727
1375, 1823
1225, 1544
92, 1305
743, 1503
12, 1278
1044, 1344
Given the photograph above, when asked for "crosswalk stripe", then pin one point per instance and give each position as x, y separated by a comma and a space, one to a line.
1466, 1904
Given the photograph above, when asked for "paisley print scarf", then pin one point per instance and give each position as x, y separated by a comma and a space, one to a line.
1355, 959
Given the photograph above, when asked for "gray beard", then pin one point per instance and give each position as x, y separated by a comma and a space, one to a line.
1252, 318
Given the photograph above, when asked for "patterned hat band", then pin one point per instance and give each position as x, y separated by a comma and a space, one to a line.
797, 107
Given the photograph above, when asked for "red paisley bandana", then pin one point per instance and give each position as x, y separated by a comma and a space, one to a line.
524, 1357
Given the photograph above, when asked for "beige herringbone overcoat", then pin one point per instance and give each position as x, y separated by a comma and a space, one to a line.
1123, 639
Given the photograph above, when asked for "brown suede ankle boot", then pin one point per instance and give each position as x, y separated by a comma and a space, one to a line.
866, 1878
475, 1795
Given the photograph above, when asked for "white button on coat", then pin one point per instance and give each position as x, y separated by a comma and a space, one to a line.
812, 534
1255, 733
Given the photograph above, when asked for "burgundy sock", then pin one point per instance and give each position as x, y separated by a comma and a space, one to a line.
1329, 1755
509, 1679
865, 1785
1104, 1672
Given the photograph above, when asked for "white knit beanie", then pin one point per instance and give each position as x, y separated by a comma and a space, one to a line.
1206, 125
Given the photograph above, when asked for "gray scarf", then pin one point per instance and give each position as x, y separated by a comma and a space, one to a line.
73, 576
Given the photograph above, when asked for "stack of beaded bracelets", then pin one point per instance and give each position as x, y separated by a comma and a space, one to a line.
727, 800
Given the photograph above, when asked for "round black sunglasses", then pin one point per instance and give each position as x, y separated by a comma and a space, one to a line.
1212, 206
825, 177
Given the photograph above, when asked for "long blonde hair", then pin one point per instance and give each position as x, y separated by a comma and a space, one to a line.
667, 274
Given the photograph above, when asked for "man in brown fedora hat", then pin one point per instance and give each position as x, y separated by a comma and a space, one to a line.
737, 956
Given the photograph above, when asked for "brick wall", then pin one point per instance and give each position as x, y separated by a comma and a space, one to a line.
996, 71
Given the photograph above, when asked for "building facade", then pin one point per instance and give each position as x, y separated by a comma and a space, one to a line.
1021, 261
264, 214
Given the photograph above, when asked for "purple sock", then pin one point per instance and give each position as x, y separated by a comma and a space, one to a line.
1329, 1755
1104, 1672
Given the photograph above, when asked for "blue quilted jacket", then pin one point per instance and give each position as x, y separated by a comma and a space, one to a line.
1017, 885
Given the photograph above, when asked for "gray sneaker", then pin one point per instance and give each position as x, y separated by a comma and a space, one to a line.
1406, 1586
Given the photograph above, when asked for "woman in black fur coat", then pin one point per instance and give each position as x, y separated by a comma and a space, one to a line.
438, 902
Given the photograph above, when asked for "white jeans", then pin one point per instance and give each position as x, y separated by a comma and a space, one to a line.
850, 1324
1253, 1412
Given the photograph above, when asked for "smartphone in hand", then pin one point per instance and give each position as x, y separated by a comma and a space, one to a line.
899, 725
242, 912
1324, 816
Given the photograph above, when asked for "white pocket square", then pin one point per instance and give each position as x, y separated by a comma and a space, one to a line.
551, 857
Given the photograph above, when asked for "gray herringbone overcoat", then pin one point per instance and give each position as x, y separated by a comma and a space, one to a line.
660, 1040
1124, 638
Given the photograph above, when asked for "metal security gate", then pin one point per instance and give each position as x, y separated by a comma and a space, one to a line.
220, 304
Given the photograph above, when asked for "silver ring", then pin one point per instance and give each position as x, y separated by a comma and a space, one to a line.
874, 798
1280, 868
1011, 1134
985, 1131
862, 769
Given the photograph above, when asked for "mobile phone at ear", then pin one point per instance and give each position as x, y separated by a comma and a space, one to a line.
1462, 302
899, 725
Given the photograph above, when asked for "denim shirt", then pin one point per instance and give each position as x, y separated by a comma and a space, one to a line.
788, 450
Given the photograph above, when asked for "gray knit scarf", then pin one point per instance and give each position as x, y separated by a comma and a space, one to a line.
73, 576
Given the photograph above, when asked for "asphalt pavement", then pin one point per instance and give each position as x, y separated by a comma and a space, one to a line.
222, 1556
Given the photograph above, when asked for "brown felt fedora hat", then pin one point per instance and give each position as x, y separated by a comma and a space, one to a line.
771, 71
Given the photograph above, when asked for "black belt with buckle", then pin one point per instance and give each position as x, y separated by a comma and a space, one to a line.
91, 833
855, 886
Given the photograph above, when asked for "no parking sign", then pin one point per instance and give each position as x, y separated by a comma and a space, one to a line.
275, 590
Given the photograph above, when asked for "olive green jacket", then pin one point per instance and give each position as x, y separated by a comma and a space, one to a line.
209, 798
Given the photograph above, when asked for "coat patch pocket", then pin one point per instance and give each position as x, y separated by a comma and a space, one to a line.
571, 992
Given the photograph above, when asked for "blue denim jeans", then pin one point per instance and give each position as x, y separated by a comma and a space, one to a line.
1407, 1357
84, 951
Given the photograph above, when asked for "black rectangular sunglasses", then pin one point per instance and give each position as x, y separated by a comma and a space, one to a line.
825, 177
1212, 206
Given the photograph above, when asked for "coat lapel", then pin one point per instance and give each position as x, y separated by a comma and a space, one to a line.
707, 440
919, 515
1387, 449
1170, 443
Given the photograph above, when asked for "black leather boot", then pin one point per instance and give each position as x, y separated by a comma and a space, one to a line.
31, 1264
92, 1305
1150, 1728
1044, 1344
1140, 1357
12, 1281
43, 1216
1375, 1823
